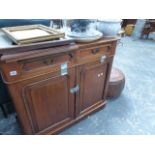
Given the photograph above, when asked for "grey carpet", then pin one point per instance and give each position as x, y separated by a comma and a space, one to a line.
134, 111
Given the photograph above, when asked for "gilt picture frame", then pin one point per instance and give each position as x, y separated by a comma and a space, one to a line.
32, 34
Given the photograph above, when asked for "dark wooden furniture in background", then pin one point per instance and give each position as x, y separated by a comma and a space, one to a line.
54, 87
128, 21
148, 28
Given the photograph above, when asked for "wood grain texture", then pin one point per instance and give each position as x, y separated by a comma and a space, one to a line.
42, 96
92, 84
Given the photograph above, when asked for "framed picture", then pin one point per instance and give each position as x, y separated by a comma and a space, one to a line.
32, 33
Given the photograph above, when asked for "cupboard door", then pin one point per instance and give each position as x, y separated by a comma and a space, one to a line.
49, 102
93, 81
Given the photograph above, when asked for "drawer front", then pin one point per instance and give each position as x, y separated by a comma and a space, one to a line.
90, 52
26, 69
33, 65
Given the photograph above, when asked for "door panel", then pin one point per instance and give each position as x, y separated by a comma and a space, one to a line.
49, 101
93, 81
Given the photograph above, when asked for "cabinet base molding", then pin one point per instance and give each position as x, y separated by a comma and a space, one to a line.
69, 124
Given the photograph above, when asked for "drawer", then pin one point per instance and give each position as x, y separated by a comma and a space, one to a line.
26, 69
35, 64
89, 52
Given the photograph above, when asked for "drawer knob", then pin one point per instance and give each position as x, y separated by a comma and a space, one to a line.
109, 48
71, 55
48, 61
96, 50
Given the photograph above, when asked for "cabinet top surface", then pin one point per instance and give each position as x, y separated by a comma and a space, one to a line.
6, 43
7, 48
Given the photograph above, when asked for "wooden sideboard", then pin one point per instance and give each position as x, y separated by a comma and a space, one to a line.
54, 87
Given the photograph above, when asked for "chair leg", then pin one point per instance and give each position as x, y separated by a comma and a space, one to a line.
4, 111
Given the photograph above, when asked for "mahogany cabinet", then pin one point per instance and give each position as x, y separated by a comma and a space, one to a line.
55, 87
